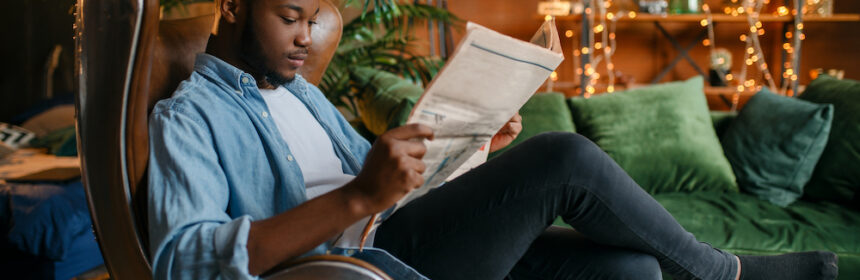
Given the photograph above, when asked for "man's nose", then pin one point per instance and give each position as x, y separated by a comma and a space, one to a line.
304, 38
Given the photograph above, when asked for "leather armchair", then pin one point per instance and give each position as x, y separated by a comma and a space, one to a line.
126, 61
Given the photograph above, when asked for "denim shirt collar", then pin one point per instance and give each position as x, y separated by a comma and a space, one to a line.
237, 79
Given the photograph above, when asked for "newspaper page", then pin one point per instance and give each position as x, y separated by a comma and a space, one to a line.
486, 81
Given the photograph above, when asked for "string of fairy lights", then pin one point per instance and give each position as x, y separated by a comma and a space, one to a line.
753, 75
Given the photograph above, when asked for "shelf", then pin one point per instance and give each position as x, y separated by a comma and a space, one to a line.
725, 18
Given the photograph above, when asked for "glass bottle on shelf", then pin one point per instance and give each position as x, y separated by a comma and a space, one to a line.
685, 6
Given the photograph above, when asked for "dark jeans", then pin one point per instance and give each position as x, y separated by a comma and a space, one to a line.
493, 222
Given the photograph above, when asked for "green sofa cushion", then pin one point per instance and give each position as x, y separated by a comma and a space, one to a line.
543, 112
742, 224
385, 100
774, 144
837, 175
661, 135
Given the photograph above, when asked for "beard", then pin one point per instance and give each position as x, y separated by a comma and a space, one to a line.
252, 53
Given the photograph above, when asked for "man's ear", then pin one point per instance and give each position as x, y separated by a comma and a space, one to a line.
229, 9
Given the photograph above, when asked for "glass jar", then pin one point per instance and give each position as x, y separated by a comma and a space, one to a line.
822, 8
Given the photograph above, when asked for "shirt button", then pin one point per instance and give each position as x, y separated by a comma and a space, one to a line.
265, 114
245, 80
290, 157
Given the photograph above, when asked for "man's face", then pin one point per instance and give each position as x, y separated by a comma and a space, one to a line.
277, 36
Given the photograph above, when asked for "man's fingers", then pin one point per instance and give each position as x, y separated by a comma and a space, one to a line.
414, 164
517, 118
412, 131
516, 128
415, 149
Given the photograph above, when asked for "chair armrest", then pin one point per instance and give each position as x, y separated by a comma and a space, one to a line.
326, 267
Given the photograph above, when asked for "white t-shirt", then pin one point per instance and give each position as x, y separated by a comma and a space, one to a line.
312, 149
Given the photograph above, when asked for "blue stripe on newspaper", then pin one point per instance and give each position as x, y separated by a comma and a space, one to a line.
510, 57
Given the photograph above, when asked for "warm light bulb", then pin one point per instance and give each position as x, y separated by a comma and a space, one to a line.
610, 16
706, 8
758, 24
547, 18
612, 36
729, 77
802, 36
750, 50
782, 11
568, 33
800, 26
740, 88
631, 14
743, 37
598, 28
553, 76
704, 22
761, 32
786, 46
598, 45
584, 50
706, 42
610, 89
749, 61
610, 66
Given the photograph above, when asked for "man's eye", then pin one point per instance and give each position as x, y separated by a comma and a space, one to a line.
288, 20
312, 22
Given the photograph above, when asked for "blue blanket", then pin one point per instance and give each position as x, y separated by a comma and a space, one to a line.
42, 219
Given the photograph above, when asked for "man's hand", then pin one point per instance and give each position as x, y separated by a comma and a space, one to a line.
507, 134
392, 169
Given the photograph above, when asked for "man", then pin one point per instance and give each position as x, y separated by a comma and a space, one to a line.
250, 166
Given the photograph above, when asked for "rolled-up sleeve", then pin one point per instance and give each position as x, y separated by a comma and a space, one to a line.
191, 234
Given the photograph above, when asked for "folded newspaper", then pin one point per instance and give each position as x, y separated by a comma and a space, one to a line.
484, 83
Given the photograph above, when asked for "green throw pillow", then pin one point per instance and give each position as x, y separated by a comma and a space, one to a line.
385, 100
774, 144
661, 135
543, 112
837, 175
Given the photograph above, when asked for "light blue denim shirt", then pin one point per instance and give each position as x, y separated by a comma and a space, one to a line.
217, 162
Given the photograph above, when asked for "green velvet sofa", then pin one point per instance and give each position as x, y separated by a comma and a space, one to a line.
733, 219
645, 129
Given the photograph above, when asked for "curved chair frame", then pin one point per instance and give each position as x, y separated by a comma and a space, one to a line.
127, 60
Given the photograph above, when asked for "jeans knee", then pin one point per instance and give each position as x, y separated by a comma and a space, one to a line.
566, 150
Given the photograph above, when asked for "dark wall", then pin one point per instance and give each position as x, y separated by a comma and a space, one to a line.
29, 30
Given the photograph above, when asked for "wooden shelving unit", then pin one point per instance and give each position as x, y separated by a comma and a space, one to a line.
657, 20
